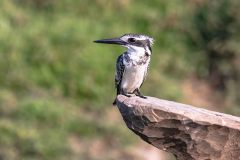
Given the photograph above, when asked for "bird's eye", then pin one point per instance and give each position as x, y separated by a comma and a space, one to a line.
131, 40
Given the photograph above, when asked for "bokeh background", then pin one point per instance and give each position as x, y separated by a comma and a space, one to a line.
57, 86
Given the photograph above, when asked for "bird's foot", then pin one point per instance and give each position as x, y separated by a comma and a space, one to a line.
142, 96
139, 94
127, 95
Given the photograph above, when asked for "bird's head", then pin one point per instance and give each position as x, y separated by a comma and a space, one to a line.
134, 42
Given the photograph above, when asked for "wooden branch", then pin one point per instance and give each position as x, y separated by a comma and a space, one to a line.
188, 132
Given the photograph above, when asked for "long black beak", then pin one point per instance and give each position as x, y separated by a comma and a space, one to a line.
111, 41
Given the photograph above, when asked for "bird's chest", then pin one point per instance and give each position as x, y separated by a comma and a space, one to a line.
134, 73
136, 61
133, 77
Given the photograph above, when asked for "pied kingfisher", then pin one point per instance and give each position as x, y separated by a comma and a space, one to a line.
132, 65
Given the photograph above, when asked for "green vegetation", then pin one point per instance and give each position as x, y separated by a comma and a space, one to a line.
56, 86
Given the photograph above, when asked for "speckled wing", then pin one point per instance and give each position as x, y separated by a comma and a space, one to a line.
119, 73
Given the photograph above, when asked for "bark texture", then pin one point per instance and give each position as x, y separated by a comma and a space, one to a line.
188, 132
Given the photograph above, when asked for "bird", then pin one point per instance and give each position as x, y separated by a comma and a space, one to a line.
131, 66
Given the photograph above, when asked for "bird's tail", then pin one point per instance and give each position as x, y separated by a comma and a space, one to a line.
115, 102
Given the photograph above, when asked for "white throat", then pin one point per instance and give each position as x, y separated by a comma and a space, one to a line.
136, 51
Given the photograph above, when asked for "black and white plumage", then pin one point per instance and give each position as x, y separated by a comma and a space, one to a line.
132, 65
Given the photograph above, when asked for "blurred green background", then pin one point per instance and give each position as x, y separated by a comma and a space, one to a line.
57, 86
